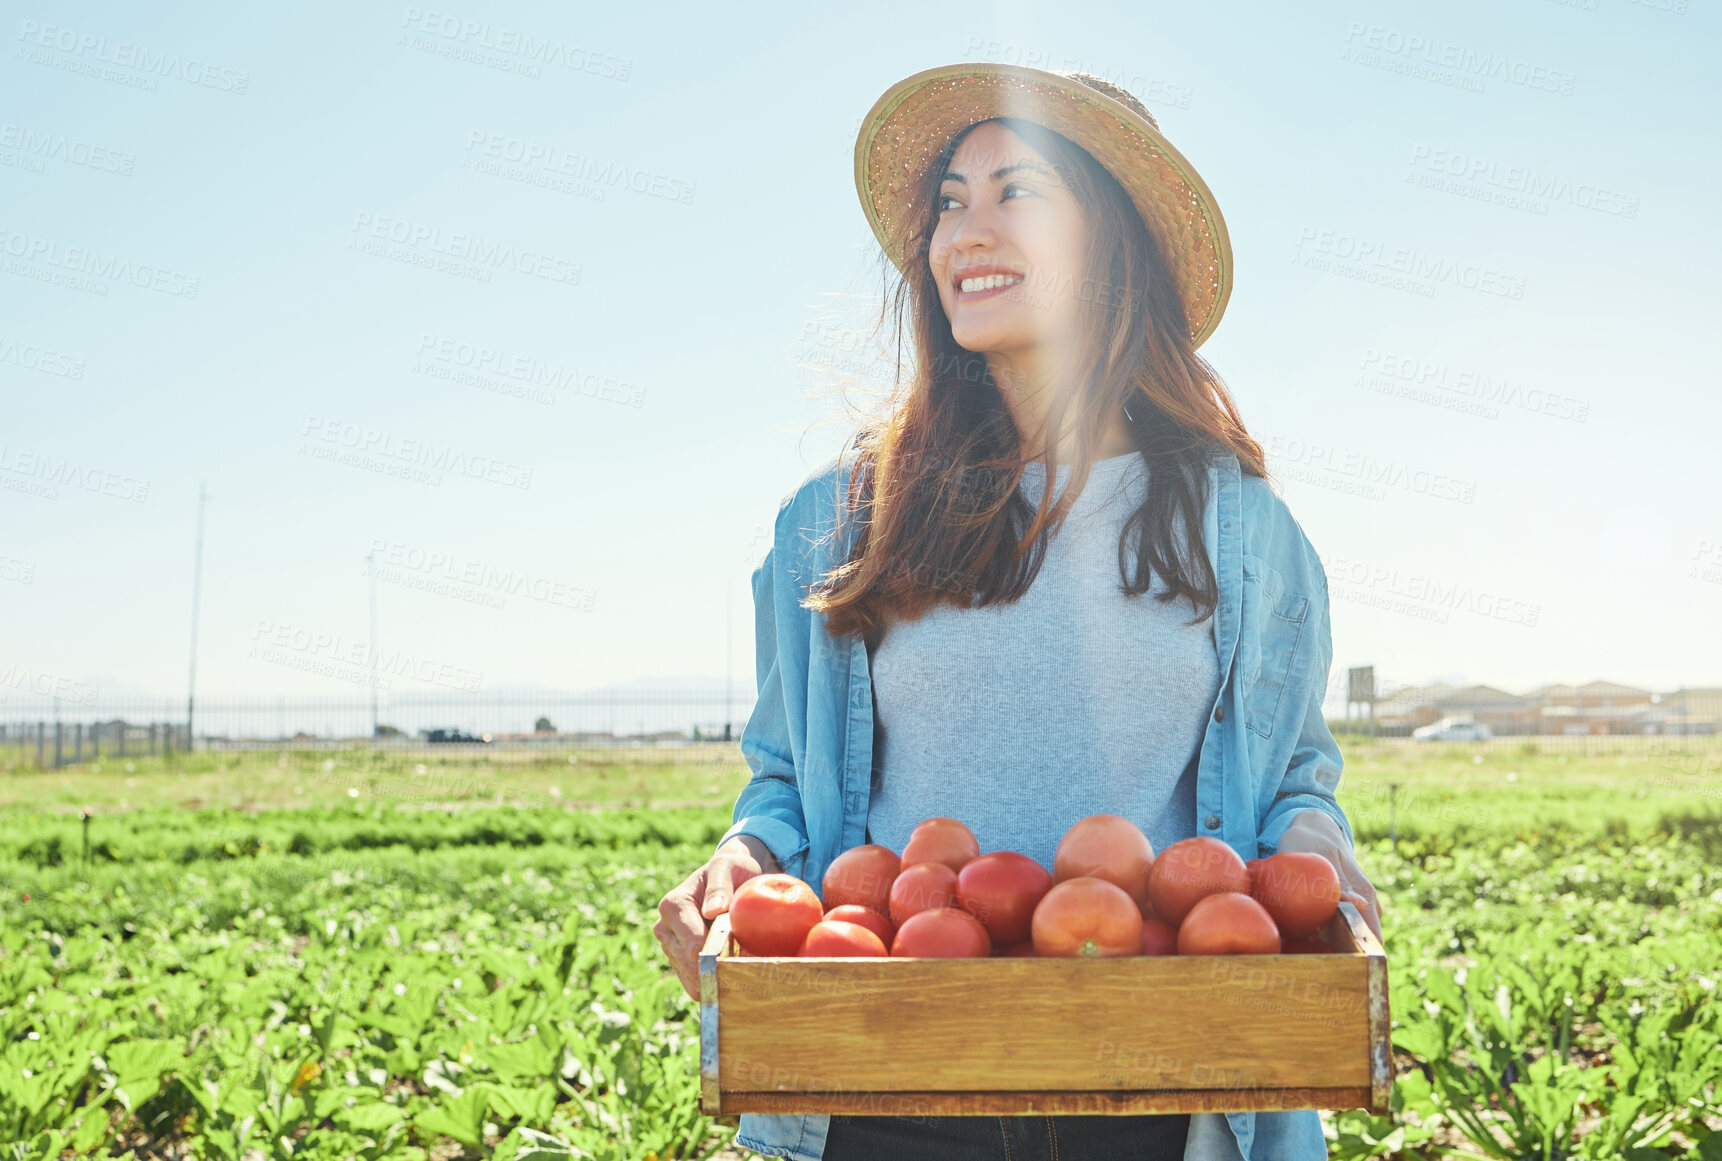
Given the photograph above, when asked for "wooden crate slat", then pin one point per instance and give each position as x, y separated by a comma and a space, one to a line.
958, 1104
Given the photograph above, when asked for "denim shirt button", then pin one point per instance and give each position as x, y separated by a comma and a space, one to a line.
1213, 822
1219, 713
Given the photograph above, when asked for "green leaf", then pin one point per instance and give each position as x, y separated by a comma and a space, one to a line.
370, 1117
90, 1131
540, 1146
139, 1065
460, 1117
531, 1059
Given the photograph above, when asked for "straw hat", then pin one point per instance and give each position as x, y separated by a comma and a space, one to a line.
911, 124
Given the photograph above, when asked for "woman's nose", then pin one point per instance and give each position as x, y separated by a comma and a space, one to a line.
975, 228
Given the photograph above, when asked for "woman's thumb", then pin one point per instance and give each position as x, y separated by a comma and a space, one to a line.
718, 892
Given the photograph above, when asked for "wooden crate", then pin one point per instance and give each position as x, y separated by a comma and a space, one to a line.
1013, 1036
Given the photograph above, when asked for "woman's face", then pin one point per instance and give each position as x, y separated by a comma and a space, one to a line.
1010, 248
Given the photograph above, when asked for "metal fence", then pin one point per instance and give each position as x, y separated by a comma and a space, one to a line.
51, 736
77, 731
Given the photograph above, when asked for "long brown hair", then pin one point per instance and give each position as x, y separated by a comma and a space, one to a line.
934, 488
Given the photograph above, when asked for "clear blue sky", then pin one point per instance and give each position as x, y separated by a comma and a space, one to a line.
244, 201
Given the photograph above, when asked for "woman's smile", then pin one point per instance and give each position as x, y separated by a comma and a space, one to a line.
983, 281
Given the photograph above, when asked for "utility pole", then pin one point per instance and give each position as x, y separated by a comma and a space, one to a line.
728, 664
371, 571
196, 600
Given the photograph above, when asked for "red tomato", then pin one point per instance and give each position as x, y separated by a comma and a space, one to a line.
1189, 870
1304, 945
865, 916
1017, 949
861, 875
941, 840
1086, 916
1158, 938
942, 931
1001, 889
1230, 923
1110, 847
772, 913
920, 888
835, 937
1299, 889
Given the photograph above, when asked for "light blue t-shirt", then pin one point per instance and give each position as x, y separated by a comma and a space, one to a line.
1020, 719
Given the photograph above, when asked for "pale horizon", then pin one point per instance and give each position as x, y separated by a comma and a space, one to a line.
388, 283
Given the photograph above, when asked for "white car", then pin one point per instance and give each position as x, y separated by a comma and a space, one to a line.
1453, 730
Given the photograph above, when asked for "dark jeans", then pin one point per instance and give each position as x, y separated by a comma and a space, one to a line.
1017, 1138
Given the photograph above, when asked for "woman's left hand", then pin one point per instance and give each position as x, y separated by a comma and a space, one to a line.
1315, 831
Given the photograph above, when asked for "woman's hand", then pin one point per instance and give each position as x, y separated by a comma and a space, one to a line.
1315, 831
704, 895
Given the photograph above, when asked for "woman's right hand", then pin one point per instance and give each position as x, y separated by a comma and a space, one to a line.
684, 913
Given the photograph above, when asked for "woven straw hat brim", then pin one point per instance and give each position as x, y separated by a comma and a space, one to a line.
916, 118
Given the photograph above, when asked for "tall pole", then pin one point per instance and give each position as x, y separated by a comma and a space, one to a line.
371, 570
196, 600
728, 664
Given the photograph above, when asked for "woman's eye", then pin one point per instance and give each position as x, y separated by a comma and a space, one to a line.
943, 198
1018, 188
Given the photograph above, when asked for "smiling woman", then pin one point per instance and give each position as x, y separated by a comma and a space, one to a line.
1048, 581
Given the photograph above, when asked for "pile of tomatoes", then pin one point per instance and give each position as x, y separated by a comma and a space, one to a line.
1107, 895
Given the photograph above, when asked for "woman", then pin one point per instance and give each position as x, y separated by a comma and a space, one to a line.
939, 633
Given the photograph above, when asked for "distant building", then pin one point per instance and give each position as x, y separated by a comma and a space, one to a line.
1502, 712
1684, 711
1596, 707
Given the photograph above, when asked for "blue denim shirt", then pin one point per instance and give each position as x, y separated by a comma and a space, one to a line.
1267, 752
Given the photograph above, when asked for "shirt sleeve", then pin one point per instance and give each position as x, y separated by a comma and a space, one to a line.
769, 806
1311, 779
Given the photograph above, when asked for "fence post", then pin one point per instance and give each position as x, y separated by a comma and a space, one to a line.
96, 740
123, 729
41, 742
78, 734
152, 739
59, 738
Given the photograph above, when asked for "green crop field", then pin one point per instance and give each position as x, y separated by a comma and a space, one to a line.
334, 955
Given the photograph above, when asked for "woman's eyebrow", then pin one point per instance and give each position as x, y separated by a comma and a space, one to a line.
1002, 171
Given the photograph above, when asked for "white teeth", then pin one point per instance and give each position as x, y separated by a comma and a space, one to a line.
990, 281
